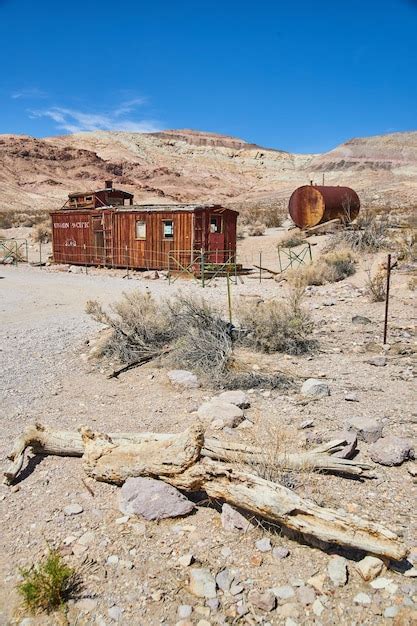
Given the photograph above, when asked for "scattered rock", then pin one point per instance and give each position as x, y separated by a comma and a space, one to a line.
73, 509
233, 520
411, 573
263, 545
213, 603
351, 397
306, 595
317, 582
113, 559
186, 560
75, 269
362, 598
338, 571
306, 424
384, 583
152, 499
391, 450
115, 613
377, 361
224, 579
236, 397
266, 601
370, 567
391, 611
360, 319
183, 378
225, 412
202, 583
284, 592
348, 451
184, 611
366, 428
317, 607
316, 388
86, 605
150, 275
280, 553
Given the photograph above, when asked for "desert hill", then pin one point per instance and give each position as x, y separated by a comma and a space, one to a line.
188, 165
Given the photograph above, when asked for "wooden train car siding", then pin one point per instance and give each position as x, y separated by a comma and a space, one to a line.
151, 237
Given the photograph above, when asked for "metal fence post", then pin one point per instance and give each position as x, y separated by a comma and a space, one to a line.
387, 299
229, 297
202, 268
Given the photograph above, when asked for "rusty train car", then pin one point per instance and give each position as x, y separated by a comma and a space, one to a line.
311, 205
142, 236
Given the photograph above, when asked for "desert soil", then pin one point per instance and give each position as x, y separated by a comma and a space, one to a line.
46, 376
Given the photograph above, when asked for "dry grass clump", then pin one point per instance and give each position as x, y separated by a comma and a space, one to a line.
329, 268
276, 326
42, 233
293, 239
256, 229
369, 233
376, 286
48, 585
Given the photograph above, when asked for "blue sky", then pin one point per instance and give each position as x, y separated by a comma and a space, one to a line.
300, 76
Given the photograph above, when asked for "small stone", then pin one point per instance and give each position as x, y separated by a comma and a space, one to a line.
203, 610
370, 567
219, 411
366, 428
391, 611
266, 600
152, 499
362, 598
186, 559
280, 553
290, 609
391, 450
256, 560
115, 613
284, 592
202, 583
73, 509
183, 378
224, 579
122, 520
315, 388
113, 559
264, 545
360, 319
411, 573
213, 603
338, 571
27, 621
306, 595
233, 520
377, 361
226, 552
184, 611
317, 582
317, 607
87, 539
351, 397
384, 583
236, 397
306, 424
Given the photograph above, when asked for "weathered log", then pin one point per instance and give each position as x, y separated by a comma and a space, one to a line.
278, 504
44, 440
175, 459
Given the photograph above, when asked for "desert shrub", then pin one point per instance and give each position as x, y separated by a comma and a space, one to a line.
275, 326
329, 268
241, 230
369, 233
406, 246
256, 229
376, 286
42, 232
292, 239
141, 326
47, 585
187, 332
412, 283
13, 218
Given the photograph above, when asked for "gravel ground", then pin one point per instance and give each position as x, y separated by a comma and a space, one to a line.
45, 376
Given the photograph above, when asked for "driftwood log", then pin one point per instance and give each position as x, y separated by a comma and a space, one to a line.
181, 460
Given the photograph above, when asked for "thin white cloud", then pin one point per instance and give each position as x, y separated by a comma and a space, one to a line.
75, 121
30, 92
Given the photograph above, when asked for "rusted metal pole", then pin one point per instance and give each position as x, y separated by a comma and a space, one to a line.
229, 297
387, 299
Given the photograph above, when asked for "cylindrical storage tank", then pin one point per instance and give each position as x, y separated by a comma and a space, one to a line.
311, 205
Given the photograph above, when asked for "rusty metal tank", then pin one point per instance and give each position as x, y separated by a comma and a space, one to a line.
311, 205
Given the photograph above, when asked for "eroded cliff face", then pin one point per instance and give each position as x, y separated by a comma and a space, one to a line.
189, 166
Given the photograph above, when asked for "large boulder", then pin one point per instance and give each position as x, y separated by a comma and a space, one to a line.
152, 499
223, 413
366, 428
315, 388
391, 450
